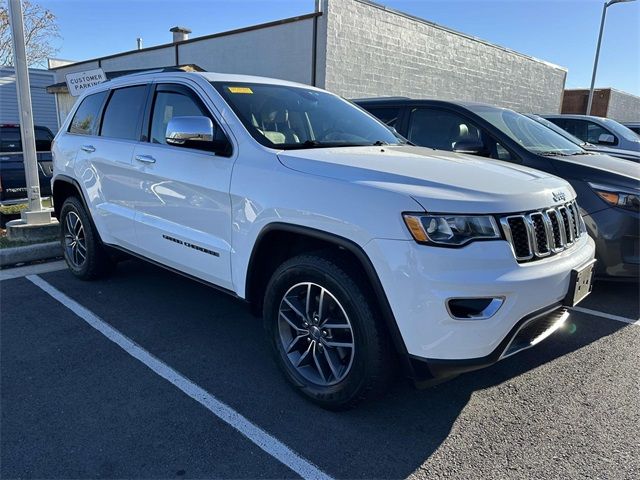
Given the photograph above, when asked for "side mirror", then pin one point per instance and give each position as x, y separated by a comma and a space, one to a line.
194, 132
472, 146
606, 139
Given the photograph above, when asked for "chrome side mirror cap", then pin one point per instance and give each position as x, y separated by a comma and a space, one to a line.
470, 146
189, 130
606, 139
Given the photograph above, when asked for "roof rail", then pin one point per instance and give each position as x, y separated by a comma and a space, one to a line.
181, 68
379, 98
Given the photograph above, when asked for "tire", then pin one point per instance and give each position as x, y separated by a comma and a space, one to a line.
331, 374
82, 249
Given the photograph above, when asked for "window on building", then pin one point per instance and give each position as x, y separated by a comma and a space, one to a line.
85, 120
123, 113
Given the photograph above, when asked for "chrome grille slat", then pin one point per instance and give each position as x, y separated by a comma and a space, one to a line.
542, 233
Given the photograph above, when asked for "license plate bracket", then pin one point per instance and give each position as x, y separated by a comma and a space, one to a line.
580, 284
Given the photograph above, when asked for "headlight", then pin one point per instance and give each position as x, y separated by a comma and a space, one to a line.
451, 230
618, 197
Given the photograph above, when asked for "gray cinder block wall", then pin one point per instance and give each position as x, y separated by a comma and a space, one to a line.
623, 106
369, 50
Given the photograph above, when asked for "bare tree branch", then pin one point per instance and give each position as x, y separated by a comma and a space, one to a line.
40, 32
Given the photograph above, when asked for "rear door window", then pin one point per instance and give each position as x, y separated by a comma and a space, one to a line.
10, 140
85, 120
123, 113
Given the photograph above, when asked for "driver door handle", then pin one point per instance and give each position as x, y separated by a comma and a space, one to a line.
145, 159
88, 148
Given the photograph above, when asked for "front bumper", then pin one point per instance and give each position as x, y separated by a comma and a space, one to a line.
617, 238
419, 279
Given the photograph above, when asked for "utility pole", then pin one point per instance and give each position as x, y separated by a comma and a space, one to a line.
595, 62
34, 214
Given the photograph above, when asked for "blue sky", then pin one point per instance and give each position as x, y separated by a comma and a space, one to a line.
563, 32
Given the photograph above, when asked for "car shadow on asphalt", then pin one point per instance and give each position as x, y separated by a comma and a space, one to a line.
213, 340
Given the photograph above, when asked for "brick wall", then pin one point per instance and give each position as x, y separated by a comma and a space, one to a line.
373, 51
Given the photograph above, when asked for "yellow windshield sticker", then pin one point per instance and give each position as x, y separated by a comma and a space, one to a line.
240, 90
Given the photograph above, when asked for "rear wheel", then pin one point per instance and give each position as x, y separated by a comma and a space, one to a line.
85, 255
325, 333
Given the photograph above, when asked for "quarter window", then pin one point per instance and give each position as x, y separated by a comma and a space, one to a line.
123, 113
388, 115
85, 120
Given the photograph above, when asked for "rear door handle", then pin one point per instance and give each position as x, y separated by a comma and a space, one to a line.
145, 158
88, 148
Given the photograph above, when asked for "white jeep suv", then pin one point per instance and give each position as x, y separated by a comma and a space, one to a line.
360, 251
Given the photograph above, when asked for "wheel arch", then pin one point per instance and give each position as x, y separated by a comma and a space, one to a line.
64, 187
290, 240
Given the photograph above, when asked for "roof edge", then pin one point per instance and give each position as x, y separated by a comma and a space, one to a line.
197, 39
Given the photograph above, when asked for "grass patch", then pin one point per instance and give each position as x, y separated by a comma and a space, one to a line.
12, 209
18, 207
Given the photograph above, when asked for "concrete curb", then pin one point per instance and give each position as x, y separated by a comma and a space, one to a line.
29, 253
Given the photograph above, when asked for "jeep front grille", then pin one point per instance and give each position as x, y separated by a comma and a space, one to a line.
541, 233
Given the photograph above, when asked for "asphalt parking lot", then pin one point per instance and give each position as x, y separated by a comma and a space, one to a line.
75, 403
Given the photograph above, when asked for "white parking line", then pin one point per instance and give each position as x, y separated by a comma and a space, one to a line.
262, 439
610, 316
18, 272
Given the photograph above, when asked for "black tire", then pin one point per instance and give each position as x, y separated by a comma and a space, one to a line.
371, 366
96, 262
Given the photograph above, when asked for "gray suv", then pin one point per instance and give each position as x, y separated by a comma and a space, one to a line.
598, 131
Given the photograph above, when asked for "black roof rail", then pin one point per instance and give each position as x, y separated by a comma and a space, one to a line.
379, 98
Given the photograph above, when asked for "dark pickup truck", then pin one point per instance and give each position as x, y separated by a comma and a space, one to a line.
12, 178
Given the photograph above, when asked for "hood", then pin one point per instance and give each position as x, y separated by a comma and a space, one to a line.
615, 152
601, 169
440, 181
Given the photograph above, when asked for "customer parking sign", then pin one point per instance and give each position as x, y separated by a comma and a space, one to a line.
78, 82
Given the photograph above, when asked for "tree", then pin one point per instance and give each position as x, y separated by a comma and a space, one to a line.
40, 31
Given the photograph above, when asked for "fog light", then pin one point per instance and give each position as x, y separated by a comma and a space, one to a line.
474, 308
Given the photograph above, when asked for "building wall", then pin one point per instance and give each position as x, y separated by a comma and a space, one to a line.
374, 51
159, 57
575, 101
44, 105
280, 51
624, 107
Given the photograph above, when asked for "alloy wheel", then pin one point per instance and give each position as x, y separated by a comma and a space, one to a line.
75, 243
316, 334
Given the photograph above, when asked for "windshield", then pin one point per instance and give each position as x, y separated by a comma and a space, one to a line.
556, 128
286, 117
532, 135
621, 130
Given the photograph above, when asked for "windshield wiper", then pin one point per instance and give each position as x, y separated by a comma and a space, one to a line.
379, 143
553, 153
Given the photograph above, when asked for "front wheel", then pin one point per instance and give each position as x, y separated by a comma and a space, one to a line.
325, 332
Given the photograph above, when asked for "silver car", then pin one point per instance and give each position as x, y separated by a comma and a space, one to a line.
598, 131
